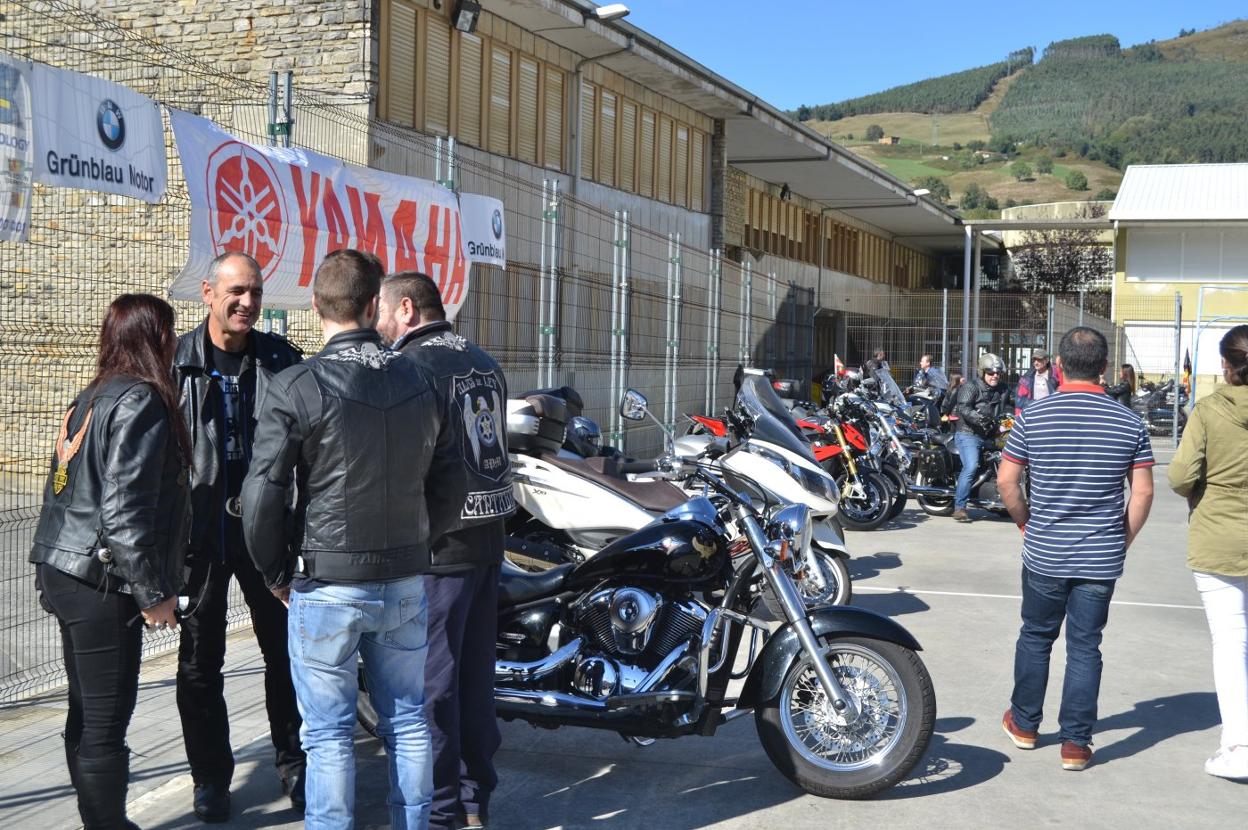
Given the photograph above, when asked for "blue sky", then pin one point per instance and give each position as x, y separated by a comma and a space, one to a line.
792, 52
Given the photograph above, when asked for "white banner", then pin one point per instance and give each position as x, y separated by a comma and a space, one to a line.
484, 230
17, 150
288, 208
97, 135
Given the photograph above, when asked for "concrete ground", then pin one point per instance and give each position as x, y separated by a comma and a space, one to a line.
954, 586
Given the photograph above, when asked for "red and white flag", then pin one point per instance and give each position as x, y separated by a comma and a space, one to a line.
288, 208
837, 366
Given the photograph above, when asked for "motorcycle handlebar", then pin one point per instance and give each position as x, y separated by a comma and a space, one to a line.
647, 466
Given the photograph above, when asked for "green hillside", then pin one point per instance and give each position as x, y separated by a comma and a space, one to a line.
958, 92
1062, 128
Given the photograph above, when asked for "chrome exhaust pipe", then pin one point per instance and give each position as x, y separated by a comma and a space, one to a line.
922, 490
535, 700
507, 671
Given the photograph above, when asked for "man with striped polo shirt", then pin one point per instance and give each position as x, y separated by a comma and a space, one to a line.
1079, 446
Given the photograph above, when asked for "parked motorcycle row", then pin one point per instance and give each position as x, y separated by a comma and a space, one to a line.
666, 597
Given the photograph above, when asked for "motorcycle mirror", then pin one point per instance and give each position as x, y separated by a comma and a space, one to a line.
633, 406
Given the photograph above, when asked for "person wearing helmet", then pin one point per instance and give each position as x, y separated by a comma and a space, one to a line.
978, 406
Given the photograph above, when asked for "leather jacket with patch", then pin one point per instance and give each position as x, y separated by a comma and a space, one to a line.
120, 520
473, 391
203, 408
357, 430
978, 407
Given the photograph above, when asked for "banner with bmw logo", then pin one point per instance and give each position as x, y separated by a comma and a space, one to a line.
16, 149
485, 236
97, 135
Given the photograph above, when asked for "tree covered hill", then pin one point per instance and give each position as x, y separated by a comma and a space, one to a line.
959, 92
1182, 100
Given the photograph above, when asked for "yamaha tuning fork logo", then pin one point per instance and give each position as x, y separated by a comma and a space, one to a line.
110, 124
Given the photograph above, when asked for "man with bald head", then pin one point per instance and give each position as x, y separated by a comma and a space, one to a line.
223, 370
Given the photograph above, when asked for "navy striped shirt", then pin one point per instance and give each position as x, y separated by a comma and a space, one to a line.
1079, 445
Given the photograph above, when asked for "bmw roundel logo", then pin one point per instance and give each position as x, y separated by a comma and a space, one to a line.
111, 124
496, 223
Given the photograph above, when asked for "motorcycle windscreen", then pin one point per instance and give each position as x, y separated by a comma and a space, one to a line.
772, 421
936, 377
889, 388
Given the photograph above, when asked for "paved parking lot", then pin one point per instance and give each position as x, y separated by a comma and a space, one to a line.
954, 586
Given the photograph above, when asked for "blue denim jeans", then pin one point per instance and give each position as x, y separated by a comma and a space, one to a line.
1084, 605
385, 624
968, 445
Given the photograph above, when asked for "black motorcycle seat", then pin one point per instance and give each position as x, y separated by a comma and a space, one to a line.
651, 496
516, 586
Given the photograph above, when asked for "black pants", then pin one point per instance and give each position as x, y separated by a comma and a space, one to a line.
102, 642
459, 691
201, 699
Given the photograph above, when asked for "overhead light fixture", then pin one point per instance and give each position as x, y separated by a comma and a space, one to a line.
466, 16
611, 11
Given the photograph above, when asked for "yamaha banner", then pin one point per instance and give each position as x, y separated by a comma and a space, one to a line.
288, 208
97, 135
16, 149
484, 230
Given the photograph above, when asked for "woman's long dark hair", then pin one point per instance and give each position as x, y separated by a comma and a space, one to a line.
1234, 350
1128, 374
137, 341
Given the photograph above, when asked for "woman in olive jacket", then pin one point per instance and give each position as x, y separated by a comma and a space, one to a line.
1211, 470
109, 546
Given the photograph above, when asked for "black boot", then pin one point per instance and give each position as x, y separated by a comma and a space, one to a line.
101, 785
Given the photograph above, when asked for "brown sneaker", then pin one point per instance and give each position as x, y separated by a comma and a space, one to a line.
1022, 738
960, 516
1074, 756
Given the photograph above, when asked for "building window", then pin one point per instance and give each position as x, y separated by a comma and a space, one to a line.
526, 110
500, 101
552, 139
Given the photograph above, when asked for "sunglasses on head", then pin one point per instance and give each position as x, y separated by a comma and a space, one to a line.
990, 372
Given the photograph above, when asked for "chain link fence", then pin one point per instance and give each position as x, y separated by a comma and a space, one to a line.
601, 292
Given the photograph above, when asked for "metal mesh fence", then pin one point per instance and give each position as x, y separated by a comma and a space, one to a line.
619, 300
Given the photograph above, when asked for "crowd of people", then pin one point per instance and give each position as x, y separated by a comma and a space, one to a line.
351, 496
348, 496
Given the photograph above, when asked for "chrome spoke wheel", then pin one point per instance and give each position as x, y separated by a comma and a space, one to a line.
826, 738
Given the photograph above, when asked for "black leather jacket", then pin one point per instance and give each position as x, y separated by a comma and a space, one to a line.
1120, 392
979, 406
473, 390
357, 429
126, 491
202, 407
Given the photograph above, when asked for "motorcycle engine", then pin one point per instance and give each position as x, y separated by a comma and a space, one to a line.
628, 630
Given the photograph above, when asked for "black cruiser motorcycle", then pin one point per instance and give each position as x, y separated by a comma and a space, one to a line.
644, 638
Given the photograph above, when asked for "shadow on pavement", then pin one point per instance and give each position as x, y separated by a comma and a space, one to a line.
892, 605
867, 567
949, 766
1157, 720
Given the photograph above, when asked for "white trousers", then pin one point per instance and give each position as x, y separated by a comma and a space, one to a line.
1226, 607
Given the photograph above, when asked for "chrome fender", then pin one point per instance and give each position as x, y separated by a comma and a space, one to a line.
783, 648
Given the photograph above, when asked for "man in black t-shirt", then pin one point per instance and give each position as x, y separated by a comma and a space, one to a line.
222, 370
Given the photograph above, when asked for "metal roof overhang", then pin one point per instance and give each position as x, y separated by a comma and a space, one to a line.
760, 139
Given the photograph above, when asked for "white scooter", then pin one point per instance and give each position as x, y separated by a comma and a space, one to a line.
572, 505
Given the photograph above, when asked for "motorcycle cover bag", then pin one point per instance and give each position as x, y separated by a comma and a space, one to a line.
538, 422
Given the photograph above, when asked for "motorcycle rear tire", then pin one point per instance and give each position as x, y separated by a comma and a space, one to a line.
873, 511
933, 505
897, 757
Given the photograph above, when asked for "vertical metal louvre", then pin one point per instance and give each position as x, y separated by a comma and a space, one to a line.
469, 95
500, 100
526, 110
437, 90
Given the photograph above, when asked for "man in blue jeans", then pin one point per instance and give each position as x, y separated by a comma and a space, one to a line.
978, 408
1079, 445
359, 434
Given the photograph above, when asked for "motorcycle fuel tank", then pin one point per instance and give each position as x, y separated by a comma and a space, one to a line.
673, 551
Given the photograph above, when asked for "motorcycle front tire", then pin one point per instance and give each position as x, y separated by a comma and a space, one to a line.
870, 512
897, 484
858, 778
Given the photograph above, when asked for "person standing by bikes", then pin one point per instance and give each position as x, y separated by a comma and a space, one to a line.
978, 408
1037, 384
111, 539
1210, 469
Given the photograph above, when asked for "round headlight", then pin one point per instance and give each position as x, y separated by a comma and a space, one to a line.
791, 522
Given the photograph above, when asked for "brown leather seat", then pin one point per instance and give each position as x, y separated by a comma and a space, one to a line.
652, 496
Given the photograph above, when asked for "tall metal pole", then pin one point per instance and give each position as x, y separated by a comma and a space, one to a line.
944, 331
678, 277
541, 273
1048, 331
979, 278
290, 104
1178, 361
616, 392
966, 303
625, 262
272, 131
552, 298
